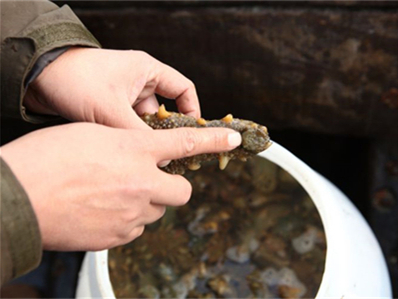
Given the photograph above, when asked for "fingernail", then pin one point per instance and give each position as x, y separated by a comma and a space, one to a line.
164, 163
234, 139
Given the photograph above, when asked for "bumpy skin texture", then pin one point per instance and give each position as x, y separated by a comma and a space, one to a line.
255, 138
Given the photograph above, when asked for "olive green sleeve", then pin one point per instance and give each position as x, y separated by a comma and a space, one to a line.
28, 30
21, 247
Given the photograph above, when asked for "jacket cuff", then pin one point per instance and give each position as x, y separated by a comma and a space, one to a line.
21, 247
56, 29
41, 63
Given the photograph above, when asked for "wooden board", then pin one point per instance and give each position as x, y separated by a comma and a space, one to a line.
332, 71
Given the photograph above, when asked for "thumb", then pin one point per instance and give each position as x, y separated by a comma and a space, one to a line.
184, 142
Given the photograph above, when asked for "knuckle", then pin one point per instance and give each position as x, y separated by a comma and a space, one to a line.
219, 140
136, 232
191, 85
141, 189
122, 232
127, 236
120, 238
141, 53
189, 142
129, 216
125, 217
147, 58
141, 56
144, 191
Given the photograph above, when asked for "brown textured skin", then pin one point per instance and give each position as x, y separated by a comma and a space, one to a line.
255, 138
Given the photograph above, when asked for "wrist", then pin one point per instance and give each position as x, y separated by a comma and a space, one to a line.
34, 99
43, 61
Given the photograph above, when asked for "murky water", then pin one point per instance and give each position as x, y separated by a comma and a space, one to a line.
250, 231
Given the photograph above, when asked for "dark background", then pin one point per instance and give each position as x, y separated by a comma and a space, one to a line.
323, 77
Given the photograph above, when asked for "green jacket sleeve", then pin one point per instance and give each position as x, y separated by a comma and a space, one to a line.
28, 30
21, 247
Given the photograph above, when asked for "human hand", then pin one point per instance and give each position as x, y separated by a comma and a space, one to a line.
102, 86
93, 187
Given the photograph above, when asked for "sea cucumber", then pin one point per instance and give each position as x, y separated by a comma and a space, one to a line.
255, 138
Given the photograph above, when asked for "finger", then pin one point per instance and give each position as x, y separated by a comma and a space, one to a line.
120, 116
135, 233
171, 190
149, 105
164, 163
153, 213
172, 84
183, 142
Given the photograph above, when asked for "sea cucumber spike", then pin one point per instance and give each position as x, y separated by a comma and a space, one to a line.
194, 166
163, 113
201, 121
223, 161
228, 118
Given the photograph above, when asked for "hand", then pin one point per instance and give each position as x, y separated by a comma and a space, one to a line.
102, 86
93, 187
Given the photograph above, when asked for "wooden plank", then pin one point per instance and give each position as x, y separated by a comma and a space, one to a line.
332, 71
350, 4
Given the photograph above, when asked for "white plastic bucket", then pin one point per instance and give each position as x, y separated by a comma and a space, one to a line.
355, 267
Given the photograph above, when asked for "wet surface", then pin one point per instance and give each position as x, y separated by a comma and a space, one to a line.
249, 231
